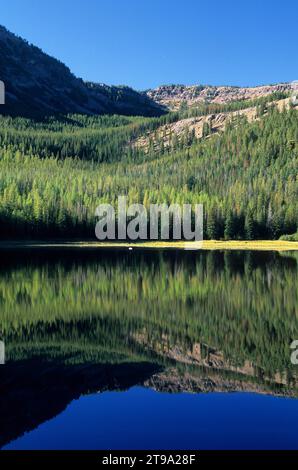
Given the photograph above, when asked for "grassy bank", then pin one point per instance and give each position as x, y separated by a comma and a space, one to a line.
256, 245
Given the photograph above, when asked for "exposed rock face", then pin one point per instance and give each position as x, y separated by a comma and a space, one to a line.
172, 96
173, 381
216, 122
37, 84
211, 371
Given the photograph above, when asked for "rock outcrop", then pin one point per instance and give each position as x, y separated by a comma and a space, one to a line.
171, 96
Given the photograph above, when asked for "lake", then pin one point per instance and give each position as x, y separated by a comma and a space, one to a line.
143, 349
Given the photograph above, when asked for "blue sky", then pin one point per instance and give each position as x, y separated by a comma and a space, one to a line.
145, 43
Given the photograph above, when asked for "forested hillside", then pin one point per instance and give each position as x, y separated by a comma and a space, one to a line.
55, 172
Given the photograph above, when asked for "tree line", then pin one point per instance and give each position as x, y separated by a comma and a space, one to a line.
54, 174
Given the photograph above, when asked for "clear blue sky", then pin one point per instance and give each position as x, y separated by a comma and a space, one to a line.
145, 43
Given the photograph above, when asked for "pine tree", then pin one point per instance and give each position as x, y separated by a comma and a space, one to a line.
249, 226
212, 231
229, 231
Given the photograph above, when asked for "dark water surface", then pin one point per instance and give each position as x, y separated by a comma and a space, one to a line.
148, 350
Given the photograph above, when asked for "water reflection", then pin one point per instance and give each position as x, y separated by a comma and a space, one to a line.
80, 322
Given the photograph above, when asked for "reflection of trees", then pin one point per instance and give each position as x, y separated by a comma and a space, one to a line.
244, 305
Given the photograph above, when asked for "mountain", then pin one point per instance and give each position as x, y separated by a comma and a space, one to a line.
172, 96
37, 84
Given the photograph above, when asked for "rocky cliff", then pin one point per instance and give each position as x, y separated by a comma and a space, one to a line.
172, 96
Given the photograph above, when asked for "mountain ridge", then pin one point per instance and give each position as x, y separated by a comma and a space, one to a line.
38, 84
174, 96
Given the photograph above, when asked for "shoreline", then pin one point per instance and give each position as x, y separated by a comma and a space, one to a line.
241, 245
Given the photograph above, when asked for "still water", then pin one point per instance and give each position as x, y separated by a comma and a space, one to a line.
148, 350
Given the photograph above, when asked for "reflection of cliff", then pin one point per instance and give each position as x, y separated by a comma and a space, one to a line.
245, 305
173, 380
78, 325
33, 391
199, 354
